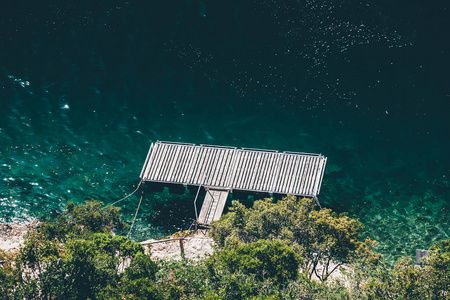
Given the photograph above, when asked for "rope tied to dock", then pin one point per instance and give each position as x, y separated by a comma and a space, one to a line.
135, 215
140, 182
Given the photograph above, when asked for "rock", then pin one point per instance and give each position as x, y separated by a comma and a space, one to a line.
12, 235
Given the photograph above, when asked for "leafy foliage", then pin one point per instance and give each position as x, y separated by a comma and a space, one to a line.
321, 236
439, 267
263, 259
262, 248
77, 257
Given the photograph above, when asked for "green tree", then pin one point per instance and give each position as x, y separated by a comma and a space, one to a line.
82, 220
263, 259
438, 265
322, 237
80, 262
9, 275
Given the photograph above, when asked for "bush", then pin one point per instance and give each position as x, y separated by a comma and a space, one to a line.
141, 267
438, 265
263, 259
82, 220
93, 217
186, 277
320, 236
88, 264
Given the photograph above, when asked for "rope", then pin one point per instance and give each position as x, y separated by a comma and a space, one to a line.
125, 196
135, 215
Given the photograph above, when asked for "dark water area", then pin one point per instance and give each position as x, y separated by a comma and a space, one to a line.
85, 87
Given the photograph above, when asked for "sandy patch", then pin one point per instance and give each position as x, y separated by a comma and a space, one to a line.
195, 247
12, 235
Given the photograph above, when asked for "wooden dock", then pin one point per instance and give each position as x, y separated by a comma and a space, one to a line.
231, 169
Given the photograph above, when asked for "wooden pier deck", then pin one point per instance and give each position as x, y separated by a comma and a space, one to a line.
230, 168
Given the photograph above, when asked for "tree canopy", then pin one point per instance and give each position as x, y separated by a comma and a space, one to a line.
321, 237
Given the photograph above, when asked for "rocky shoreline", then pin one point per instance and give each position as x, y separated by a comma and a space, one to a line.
12, 235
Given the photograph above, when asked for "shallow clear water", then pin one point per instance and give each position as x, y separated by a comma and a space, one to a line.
86, 88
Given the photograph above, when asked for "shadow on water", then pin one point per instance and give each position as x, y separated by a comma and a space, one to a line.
171, 207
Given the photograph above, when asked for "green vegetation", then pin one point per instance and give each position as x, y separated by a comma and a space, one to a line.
321, 237
283, 250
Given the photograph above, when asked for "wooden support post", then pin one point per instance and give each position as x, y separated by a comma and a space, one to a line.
182, 247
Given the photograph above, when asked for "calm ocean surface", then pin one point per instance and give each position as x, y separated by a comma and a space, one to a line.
85, 87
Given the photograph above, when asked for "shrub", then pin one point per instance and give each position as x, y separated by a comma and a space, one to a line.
438, 265
82, 220
93, 217
263, 259
141, 267
185, 277
321, 236
68, 260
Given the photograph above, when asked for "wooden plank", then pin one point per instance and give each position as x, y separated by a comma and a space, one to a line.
213, 205
198, 168
270, 171
299, 175
221, 205
304, 175
240, 165
230, 178
251, 170
281, 173
187, 156
261, 171
313, 175
150, 162
248, 169
183, 160
209, 167
321, 176
174, 163
245, 163
165, 163
308, 176
192, 165
147, 159
203, 167
217, 166
224, 169
160, 161
317, 179
292, 174
168, 161
275, 174
288, 176
186, 162
154, 162
256, 171
296, 174
205, 208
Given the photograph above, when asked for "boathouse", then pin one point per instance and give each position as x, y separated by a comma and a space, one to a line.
220, 170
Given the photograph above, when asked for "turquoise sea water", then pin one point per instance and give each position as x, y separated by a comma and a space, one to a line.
85, 88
